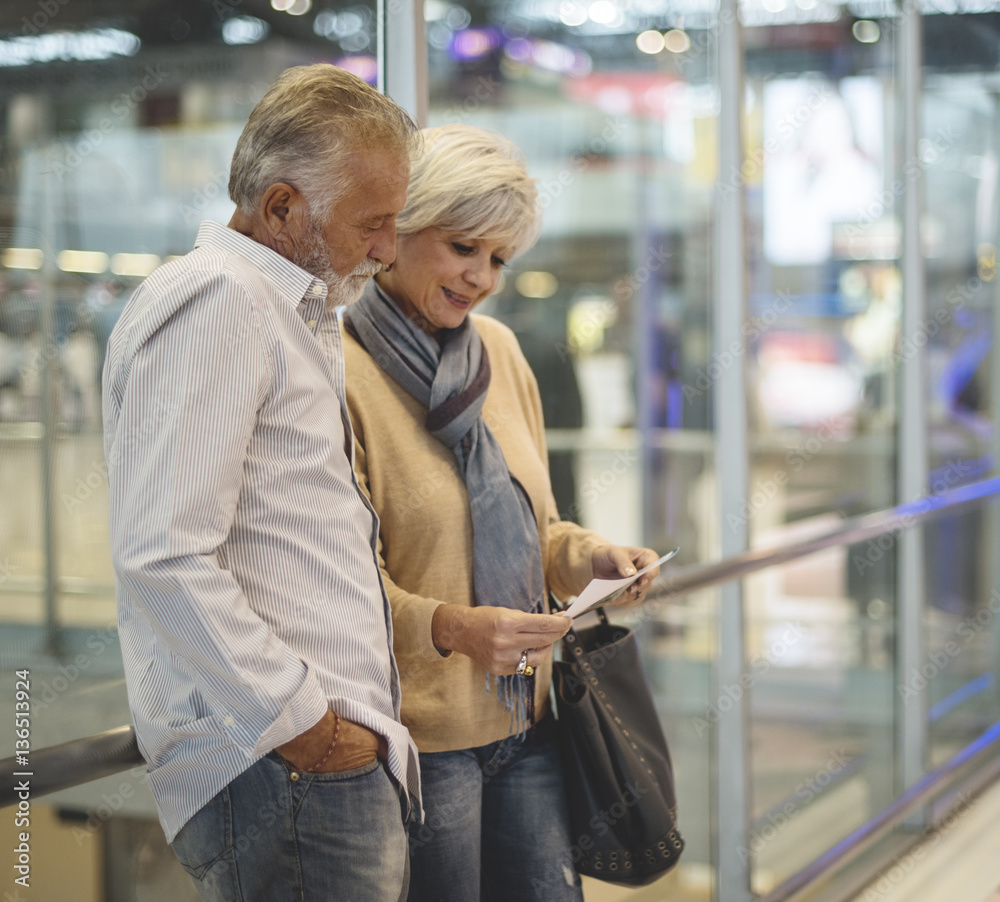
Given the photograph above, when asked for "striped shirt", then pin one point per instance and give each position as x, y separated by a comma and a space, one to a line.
249, 594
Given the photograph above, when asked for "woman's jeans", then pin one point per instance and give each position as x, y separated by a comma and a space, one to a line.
495, 825
321, 838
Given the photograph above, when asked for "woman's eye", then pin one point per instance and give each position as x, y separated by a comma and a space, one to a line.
462, 248
498, 263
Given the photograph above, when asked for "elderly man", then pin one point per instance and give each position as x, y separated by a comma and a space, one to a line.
254, 626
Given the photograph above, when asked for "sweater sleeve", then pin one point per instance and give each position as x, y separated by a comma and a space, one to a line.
568, 566
411, 614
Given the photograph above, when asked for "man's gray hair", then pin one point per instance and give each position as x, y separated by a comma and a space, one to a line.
468, 180
304, 131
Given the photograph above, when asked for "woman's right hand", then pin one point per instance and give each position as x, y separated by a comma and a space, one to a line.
496, 637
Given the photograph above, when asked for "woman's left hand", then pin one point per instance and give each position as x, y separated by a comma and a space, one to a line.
618, 561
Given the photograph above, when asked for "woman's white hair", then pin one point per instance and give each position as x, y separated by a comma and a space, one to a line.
304, 132
464, 179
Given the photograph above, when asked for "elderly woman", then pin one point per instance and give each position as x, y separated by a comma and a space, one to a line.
450, 446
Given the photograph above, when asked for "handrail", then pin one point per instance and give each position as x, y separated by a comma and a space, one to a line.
73, 763
684, 580
862, 839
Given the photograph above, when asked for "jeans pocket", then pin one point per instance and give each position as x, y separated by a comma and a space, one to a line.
206, 838
339, 776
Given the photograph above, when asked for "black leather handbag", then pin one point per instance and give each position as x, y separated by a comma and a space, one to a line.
620, 782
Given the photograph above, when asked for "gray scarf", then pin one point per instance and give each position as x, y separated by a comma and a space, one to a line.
451, 380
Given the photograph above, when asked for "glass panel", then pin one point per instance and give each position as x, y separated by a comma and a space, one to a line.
823, 317
820, 678
956, 681
824, 277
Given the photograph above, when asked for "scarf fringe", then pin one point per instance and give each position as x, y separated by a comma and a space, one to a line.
517, 695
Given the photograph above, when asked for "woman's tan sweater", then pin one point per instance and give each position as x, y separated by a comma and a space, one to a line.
426, 533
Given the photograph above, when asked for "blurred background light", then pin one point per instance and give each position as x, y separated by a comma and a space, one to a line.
134, 264
474, 43
364, 66
650, 42
96, 44
23, 258
676, 41
244, 30
535, 284
82, 261
866, 31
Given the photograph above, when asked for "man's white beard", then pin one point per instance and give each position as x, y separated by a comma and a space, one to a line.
341, 290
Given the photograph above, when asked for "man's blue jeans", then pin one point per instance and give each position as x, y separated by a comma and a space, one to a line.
495, 825
321, 838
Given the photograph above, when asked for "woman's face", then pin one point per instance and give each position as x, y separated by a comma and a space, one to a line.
439, 276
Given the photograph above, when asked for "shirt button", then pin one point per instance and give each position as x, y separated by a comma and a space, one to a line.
317, 290
311, 324
228, 720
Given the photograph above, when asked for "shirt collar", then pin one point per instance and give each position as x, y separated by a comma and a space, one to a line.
290, 281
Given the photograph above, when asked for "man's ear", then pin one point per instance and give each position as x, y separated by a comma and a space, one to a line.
284, 213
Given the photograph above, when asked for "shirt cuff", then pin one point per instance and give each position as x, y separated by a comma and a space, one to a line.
302, 712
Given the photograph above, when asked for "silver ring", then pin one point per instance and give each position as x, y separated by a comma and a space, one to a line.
523, 667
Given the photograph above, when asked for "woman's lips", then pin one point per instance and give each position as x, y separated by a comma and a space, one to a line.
455, 300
